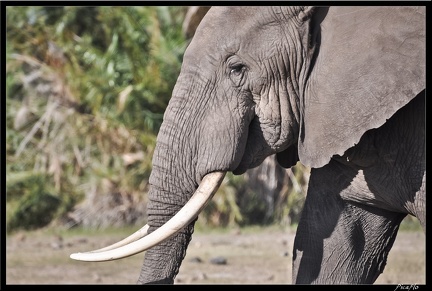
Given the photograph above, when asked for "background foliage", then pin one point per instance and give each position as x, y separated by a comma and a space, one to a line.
86, 88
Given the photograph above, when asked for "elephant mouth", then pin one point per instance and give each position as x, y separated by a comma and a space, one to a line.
248, 163
141, 240
241, 169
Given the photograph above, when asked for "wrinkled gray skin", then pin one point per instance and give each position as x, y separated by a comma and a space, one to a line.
340, 90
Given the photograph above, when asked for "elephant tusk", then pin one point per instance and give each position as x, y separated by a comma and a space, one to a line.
134, 244
142, 232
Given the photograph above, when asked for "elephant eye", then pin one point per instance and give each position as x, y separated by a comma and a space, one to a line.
237, 69
236, 74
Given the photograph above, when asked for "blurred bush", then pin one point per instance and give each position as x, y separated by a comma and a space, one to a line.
86, 88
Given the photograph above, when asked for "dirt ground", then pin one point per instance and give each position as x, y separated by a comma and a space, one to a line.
251, 256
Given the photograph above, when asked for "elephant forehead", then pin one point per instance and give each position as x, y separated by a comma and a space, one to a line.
227, 30
227, 16
224, 26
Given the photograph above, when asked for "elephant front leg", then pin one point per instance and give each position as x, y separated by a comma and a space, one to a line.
339, 242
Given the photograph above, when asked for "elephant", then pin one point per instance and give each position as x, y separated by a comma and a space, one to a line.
339, 89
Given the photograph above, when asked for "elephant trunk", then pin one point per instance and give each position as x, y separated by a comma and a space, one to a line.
162, 262
173, 180
180, 163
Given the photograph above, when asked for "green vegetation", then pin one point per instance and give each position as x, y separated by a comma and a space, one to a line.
86, 91
410, 223
86, 88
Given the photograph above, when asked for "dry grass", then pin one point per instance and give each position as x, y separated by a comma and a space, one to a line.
253, 256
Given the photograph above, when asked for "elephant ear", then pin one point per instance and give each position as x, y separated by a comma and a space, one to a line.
368, 63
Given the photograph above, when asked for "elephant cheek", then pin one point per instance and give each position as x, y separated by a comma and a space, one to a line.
223, 139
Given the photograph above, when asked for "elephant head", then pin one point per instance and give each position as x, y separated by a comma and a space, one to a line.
303, 83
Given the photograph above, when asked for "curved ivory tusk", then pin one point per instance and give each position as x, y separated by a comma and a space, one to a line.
207, 188
142, 232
